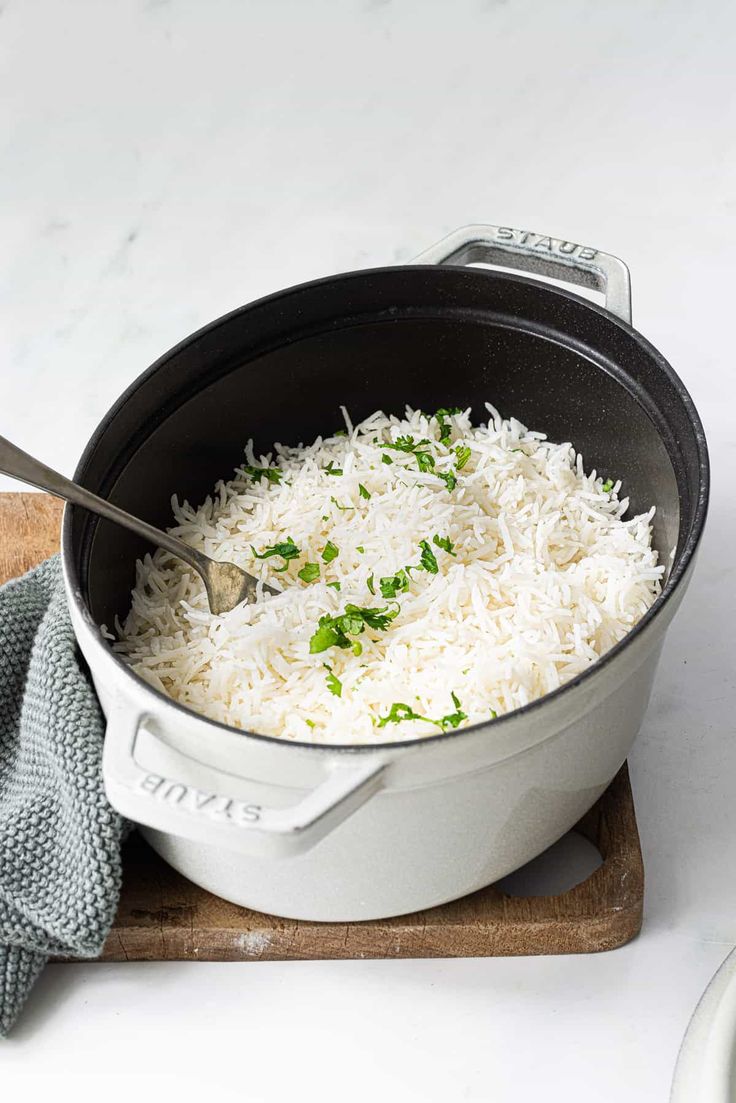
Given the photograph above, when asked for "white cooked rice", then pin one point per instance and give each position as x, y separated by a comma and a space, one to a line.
546, 577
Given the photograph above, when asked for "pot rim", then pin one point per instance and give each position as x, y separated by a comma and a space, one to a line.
677, 573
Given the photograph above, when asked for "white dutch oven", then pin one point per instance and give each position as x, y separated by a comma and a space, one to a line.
349, 833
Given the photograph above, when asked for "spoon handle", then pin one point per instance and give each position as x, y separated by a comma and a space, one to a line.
19, 465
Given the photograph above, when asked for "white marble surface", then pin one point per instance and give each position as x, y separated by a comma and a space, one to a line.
163, 162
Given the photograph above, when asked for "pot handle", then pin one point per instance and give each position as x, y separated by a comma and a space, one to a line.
181, 807
528, 251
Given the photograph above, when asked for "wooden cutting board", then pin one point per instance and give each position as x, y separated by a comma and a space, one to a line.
163, 917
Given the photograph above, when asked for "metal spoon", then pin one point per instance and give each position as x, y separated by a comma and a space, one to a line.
226, 584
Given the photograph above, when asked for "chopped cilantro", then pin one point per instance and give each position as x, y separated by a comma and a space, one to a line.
363, 492
394, 584
333, 682
428, 560
376, 618
309, 723
406, 444
330, 552
462, 453
494, 714
370, 585
607, 486
309, 572
385, 458
443, 542
343, 508
273, 474
334, 631
441, 419
425, 462
340, 432
448, 478
334, 585
287, 550
332, 470
360, 548
327, 635
453, 719
400, 711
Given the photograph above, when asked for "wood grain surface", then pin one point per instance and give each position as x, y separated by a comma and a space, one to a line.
163, 917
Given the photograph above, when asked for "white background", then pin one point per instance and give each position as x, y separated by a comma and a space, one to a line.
162, 162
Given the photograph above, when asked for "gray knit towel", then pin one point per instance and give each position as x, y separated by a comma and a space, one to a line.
59, 838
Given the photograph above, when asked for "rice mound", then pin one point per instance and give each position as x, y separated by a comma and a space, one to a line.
537, 575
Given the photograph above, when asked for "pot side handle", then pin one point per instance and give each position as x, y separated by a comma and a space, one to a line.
204, 815
541, 254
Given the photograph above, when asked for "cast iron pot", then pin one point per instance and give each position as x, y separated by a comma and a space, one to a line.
355, 832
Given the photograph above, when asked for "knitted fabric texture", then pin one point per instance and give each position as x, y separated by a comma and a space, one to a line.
59, 838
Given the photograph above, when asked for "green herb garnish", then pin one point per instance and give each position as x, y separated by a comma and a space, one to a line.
328, 634
440, 416
443, 542
400, 711
448, 478
287, 550
343, 508
425, 462
360, 548
330, 552
607, 486
332, 470
363, 492
340, 433
406, 444
370, 585
375, 618
394, 584
462, 453
309, 572
453, 719
335, 631
334, 585
428, 560
333, 682
309, 723
385, 458
273, 474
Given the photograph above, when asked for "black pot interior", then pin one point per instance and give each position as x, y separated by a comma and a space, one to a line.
280, 368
